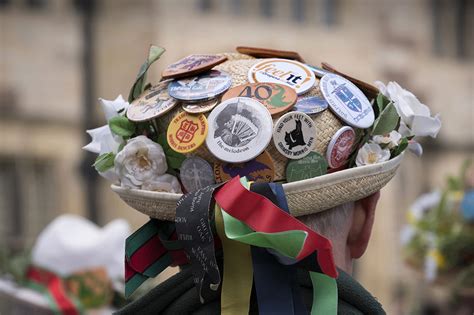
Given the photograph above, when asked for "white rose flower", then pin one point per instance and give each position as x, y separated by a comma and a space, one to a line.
415, 117
111, 108
372, 153
166, 183
139, 162
391, 140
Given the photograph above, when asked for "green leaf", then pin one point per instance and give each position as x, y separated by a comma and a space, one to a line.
104, 162
138, 86
121, 126
387, 120
382, 102
399, 148
173, 158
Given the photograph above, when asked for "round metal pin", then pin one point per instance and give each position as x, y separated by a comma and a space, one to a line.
311, 105
312, 165
200, 107
192, 65
294, 135
340, 147
153, 103
347, 101
196, 173
288, 72
240, 129
201, 87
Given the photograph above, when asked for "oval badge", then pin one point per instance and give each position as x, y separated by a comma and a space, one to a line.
340, 147
311, 105
201, 87
153, 103
186, 132
196, 173
294, 135
277, 98
347, 101
288, 72
192, 65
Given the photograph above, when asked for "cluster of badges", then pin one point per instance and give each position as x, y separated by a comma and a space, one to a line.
239, 124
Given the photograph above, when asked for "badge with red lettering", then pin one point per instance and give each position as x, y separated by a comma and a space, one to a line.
288, 72
259, 170
239, 130
294, 135
277, 98
340, 147
186, 132
192, 65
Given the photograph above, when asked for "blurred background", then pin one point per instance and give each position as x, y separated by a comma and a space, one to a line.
58, 56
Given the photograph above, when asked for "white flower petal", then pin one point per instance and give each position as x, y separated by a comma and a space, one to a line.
372, 153
111, 108
381, 86
166, 183
426, 126
102, 141
415, 148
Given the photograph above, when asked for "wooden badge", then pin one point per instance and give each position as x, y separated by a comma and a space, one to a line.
369, 90
260, 170
269, 53
277, 98
192, 65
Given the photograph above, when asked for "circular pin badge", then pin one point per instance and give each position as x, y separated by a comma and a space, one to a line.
196, 173
153, 103
200, 107
201, 87
186, 132
294, 135
277, 98
312, 165
319, 72
240, 129
347, 101
288, 72
260, 170
311, 105
192, 65
340, 147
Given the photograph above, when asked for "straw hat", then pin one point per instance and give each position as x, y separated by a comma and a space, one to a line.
304, 197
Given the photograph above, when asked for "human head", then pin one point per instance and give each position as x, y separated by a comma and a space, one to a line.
348, 226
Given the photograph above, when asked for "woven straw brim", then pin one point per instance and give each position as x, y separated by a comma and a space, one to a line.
304, 197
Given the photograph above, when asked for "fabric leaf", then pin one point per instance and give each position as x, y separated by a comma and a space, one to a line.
121, 126
138, 87
382, 102
399, 148
387, 120
104, 162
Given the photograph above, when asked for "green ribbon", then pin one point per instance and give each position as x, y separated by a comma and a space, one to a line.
324, 294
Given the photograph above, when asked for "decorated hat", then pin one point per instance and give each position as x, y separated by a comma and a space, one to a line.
228, 149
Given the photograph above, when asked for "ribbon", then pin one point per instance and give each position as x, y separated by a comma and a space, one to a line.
52, 285
194, 231
150, 250
324, 294
260, 214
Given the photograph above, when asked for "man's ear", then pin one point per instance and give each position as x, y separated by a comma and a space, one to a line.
362, 222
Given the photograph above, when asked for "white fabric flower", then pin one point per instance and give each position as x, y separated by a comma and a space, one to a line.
111, 108
391, 140
415, 148
166, 183
415, 117
139, 162
372, 153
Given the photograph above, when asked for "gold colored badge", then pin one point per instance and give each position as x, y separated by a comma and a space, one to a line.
187, 132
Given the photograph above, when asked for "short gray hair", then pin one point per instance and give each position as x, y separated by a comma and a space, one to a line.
330, 222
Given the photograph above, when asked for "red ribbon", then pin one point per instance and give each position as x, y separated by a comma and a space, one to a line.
262, 215
55, 287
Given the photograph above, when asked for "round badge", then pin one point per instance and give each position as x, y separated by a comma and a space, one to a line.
340, 147
152, 103
195, 173
239, 130
200, 107
294, 135
260, 169
311, 105
186, 132
319, 72
277, 98
201, 87
312, 165
288, 72
192, 65
347, 101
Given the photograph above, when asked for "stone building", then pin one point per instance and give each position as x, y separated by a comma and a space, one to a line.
49, 83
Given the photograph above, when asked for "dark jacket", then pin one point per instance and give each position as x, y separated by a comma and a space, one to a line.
178, 295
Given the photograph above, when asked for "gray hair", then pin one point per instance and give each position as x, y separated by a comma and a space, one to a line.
330, 223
